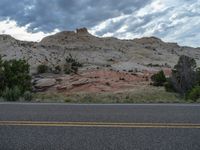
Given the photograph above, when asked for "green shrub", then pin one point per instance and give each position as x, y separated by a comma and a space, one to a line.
153, 65
12, 94
71, 65
42, 69
57, 69
15, 73
73, 61
159, 78
194, 94
67, 69
75, 69
198, 76
28, 96
2, 77
169, 85
130, 71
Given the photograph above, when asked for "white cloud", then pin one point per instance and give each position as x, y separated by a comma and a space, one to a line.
10, 27
155, 6
173, 21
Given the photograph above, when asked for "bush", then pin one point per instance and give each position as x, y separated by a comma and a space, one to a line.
198, 76
67, 69
57, 70
16, 73
159, 79
2, 77
169, 85
42, 69
14, 79
73, 61
71, 65
12, 94
194, 94
74, 69
153, 65
28, 96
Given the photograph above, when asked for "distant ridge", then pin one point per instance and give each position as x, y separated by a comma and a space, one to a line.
141, 53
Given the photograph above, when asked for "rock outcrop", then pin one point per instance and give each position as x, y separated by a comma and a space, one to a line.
82, 31
44, 84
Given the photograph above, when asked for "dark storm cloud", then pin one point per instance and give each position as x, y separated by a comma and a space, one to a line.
12, 8
47, 15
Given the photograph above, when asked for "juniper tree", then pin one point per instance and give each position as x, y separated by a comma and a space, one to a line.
184, 75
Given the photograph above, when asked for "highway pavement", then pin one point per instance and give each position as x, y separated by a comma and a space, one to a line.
37, 126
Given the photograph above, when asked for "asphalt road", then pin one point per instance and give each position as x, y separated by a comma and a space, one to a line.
99, 127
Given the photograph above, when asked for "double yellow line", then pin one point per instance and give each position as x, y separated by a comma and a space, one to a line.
101, 124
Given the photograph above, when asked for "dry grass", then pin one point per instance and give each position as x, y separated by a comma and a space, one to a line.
144, 94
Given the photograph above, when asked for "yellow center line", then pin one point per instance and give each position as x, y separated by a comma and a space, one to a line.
100, 124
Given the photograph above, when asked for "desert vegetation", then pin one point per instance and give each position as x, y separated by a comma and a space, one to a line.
71, 65
15, 79
42, 69
183, 85
143, 94
185, 79
159, 79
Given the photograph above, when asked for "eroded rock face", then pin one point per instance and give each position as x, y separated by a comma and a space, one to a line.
140, 54
92, 81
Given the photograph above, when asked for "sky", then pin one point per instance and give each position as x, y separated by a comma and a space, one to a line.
171, 20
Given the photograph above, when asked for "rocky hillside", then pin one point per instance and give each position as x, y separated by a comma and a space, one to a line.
141, 54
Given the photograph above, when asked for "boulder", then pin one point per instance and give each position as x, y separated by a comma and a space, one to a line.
61, 88
45, 83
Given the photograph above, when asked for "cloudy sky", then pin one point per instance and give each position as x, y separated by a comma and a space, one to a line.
171, 20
